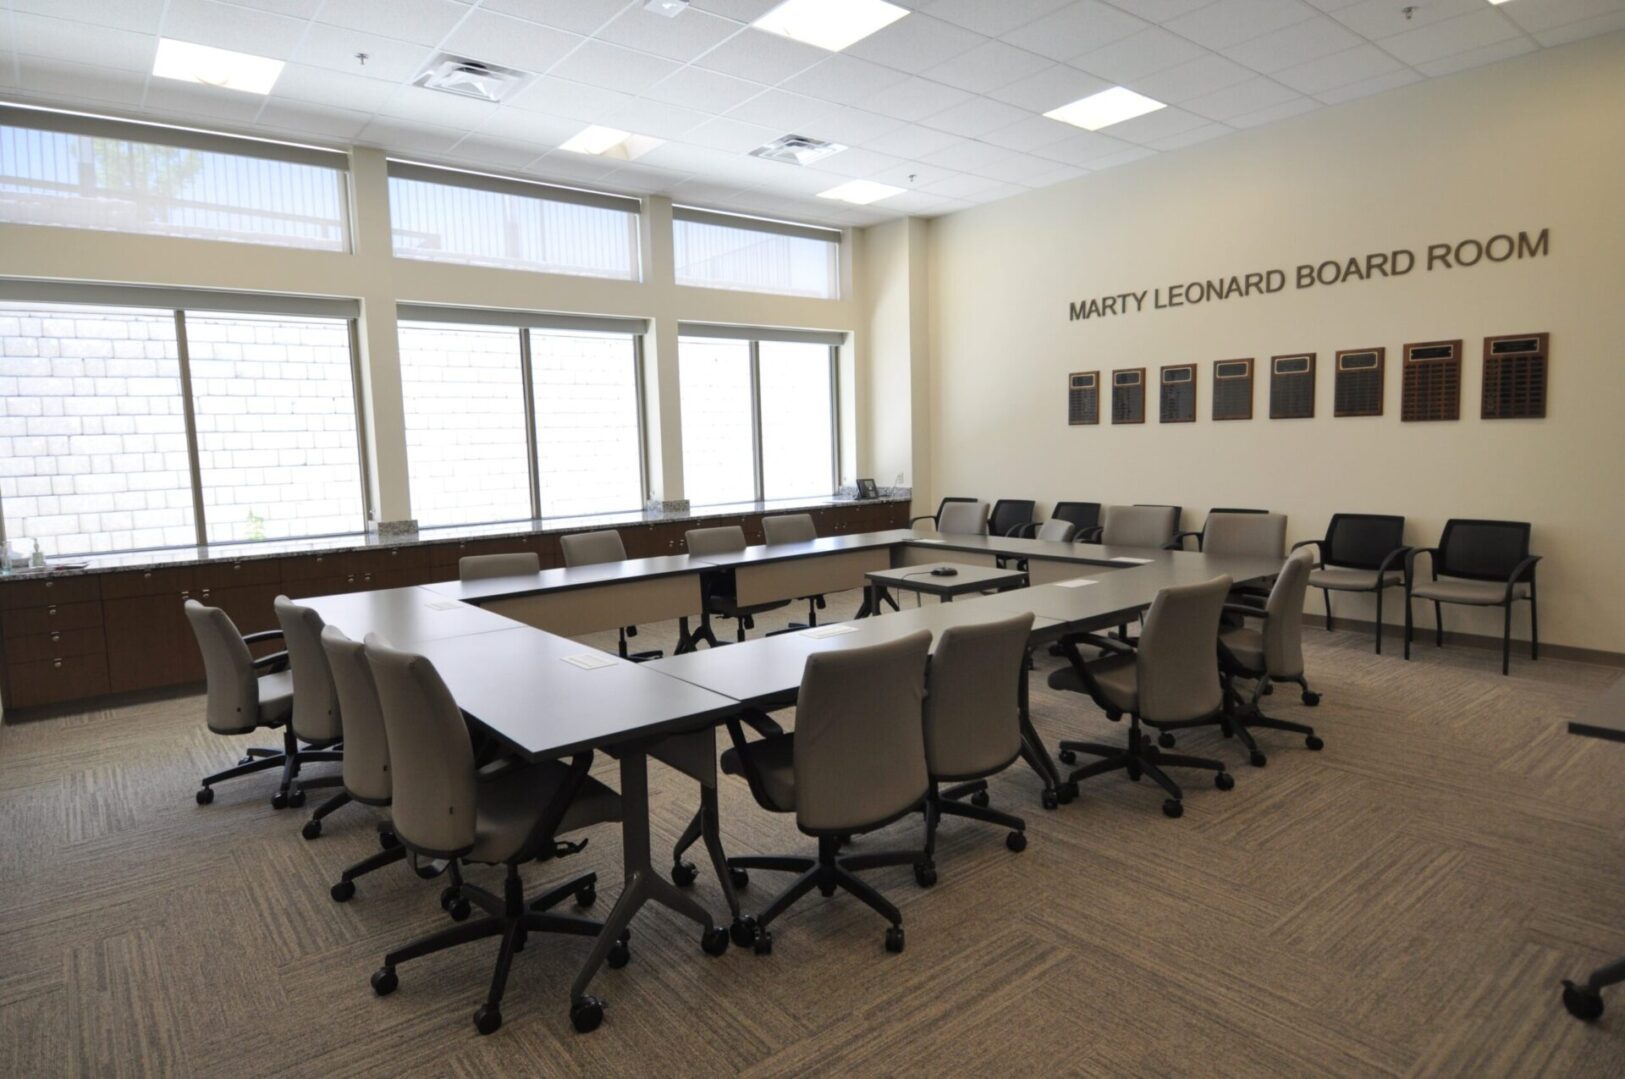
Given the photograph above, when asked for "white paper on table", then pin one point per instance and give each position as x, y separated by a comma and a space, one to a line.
589, 661
445, 605
830, 631
1133, 561
1076, 582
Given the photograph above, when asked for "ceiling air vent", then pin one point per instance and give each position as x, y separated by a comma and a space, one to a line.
797, 150
470, 78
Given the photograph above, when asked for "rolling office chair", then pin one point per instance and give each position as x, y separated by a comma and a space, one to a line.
1181, 537
245, 694
1085, 515
1484, 564
366, 750
936, 518
316, 717
591, 549
479, 567
1012, 517
1138, 526
795, 528
1362, 552
855, 762
972, 727
720, 598
1170, 681
1271, 654
445, 808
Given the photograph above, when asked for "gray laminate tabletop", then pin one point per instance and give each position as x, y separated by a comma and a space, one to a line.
1604, 717
965, 579
823, 545
405, 617
568, 578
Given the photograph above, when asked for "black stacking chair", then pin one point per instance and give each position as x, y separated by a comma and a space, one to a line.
1086, 515
1479, 564
1012, 517
1362, 552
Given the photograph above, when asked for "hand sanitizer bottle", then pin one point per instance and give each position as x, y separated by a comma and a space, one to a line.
37, 559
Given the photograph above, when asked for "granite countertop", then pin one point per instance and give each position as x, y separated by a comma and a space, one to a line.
244, 552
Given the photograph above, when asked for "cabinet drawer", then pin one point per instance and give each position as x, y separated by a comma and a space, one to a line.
313, 566
55, 644
237, 574
40, 593
56, 616
149, 582
50, 681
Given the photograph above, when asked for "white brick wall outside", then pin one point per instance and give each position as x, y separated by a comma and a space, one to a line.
714, 380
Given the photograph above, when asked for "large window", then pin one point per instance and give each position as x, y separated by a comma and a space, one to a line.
479, 449
748, 254
88, 173
451, 216
99, 451
758, 414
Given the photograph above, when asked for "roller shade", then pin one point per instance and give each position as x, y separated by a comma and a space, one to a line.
171, 299
535, 320
832, 338
102, 127
503, 185
755, 224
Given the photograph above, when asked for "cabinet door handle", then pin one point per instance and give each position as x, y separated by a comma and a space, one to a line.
51, 611
147, 576
56, 638
57, 663
205, 593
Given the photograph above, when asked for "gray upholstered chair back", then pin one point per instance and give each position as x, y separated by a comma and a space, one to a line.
1283, 629
477, 567
725, 539
860, 735
1245, 533
315, 701
591, 548
431, 759
789, 528
233, 686
1139, 526
1057, 531
973, 707
1177, 671
963, 519
366, 746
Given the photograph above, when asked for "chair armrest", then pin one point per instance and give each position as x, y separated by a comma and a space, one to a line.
1387, 566
1180, 538
263, 635
1023, 531
1175, 544
1104, 643
1089, 535
540, 844
276, 661
923, 517
1523, 571
1410, 563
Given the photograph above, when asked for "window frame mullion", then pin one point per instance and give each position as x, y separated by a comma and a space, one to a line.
527, 384
200, 524
756, 417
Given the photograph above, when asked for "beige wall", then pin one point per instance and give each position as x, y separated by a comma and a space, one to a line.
1527, 144
896, 406
380, 281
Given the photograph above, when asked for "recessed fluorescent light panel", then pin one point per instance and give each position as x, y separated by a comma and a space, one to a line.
861, 192
215, 67
797, 150
610, 142
829, 24
669, 8
1105, 109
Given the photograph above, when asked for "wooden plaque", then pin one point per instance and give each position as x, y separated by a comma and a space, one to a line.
1177, 401
1431, 385
1357, 386
1128, 395
1233, 389
1515, 377
1083, 397
1292, 386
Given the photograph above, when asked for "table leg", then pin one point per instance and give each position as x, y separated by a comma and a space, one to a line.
643, 884
867, 607
1033, 750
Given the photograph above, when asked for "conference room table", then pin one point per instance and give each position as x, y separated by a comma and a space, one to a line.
549, 697
1602, 718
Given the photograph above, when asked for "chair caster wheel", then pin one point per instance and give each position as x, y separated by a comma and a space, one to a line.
1067, 756
1583, 1003
739, 878
205, 795
488, 1020
1224, 781
384, 981
586, 895
894, 939
454, 904
925, 874
619, 955
312, 829
684, 874
1134, 773
1173, 807
431, 869
1069, 792
743, 931
1268, 688
1257, 759
1314, 743
714, 941
1311, 698
388, 840
979, 799
826, 890
279, 800
1049, 799
343, 891
763, 944
1016, 841
296, 798
1165, 740
586, 1014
